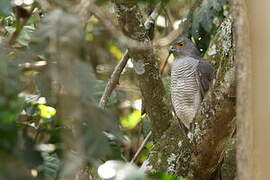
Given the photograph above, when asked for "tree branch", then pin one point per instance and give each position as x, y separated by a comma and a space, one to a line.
141, 147
153, 16
88, 7
150, 83
214, 126
114, 79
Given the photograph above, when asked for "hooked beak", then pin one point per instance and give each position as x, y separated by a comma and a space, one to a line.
171, 50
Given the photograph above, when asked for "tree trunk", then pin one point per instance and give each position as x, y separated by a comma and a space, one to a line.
244, 91
256, 144
197, 155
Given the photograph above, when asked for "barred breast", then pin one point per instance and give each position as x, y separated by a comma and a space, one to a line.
185, 89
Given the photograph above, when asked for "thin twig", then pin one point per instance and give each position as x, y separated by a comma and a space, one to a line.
114, 79
164, 65
141, 147
153, 16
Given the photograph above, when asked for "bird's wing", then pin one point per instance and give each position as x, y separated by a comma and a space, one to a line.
206, 74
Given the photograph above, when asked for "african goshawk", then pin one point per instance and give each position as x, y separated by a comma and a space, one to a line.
191, 77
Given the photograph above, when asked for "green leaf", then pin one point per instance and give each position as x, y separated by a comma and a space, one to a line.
46, 111
115, 51
131, 120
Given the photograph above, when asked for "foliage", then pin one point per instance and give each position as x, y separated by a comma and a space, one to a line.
131, 120
206, 20
70, 109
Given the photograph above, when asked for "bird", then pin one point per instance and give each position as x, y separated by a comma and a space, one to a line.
191, 77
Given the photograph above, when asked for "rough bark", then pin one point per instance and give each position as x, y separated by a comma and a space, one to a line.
244, 91
197, 155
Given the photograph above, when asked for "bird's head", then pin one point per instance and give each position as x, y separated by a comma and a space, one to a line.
182, 46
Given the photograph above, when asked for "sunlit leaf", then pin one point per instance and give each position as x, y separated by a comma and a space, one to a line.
115, 51
131, 120
46, 111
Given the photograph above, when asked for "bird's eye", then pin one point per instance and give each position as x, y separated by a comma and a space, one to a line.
180, 45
